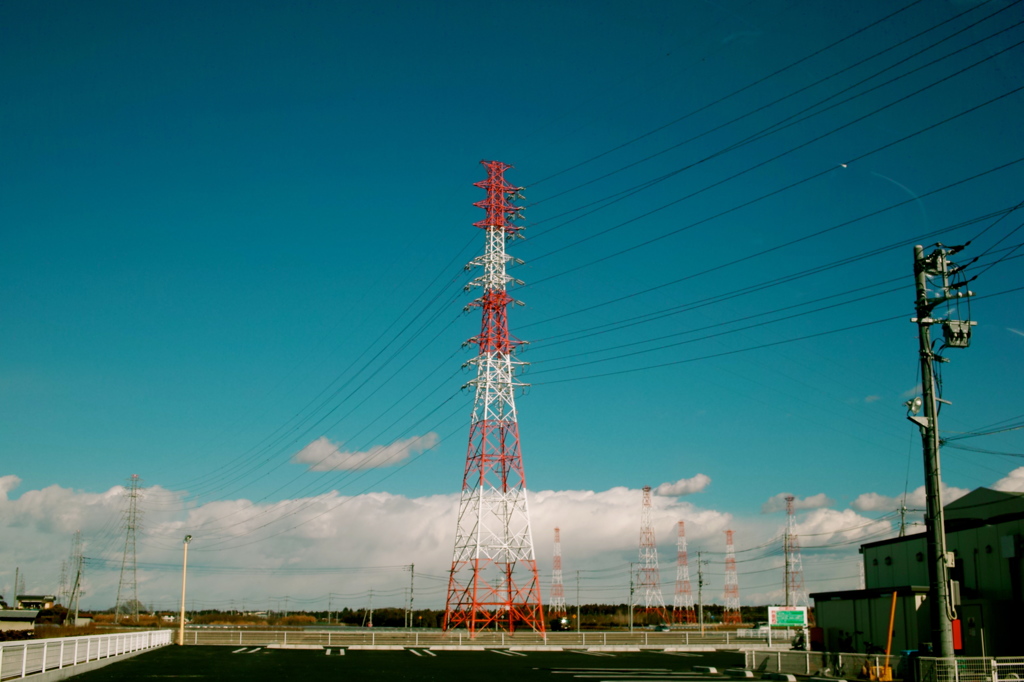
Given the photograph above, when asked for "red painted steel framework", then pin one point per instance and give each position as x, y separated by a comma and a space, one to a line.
493, 581
682, 607
731, 615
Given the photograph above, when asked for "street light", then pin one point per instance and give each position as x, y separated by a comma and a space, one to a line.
184, 569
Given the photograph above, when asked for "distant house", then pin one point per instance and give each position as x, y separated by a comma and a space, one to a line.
40, 602
18, 619
985, 533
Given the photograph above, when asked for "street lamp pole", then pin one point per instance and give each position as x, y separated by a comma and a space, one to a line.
184, 571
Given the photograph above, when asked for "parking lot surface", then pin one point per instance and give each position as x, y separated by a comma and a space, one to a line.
259, 664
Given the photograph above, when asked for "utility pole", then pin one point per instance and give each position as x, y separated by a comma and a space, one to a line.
631, 564
412, 585
700, 592
578, 613
184, 573
957, 334
785, 551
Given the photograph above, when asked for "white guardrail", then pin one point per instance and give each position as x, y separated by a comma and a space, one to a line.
20, 659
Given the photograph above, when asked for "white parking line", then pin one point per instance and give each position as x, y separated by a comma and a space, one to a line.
255, 649
415, 653
506, 652
428, 652
590, 653
238, 650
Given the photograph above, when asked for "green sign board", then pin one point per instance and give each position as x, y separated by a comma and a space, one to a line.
787, 617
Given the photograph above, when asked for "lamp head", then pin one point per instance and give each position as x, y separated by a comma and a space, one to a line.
914, 406
188, 539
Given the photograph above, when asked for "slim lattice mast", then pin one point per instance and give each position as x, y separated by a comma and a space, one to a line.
129, 583
682, 607
650, 575
731, 615
796, 595
556, 607
493, 579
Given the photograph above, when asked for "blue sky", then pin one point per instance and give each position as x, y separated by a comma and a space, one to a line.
233, 229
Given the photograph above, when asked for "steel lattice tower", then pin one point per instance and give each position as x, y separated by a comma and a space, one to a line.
129, 582
682, 607
731, 615
493, 580
796, 595
650, 575
556, 607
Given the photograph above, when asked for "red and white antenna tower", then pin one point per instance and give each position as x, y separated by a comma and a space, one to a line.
731, 615
796, 595
493, 580
650, 575
556, 607
682, 607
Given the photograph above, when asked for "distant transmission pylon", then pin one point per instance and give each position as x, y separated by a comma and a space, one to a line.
493, 580
556, 607
682, 607
650, 575
129, 582
796, 595
731, 615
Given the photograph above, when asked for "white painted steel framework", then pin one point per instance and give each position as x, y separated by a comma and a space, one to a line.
650, 574
493, 579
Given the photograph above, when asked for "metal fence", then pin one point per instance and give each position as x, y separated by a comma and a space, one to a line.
830, 664
970, 669
461, 638
19, 659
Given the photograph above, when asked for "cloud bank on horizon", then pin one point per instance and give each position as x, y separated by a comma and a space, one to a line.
344, 546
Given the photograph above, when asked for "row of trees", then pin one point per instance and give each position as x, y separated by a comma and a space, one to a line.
592, 616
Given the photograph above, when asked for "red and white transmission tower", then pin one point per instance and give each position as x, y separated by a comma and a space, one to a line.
731, 615
556, 607
493, 580
682, 607
796, 595
650, 575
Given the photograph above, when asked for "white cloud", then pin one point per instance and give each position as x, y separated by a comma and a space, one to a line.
684, 486
872, 398
1012, 483
915, 500
252, 551
323, 455
778, 502
1015, 331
